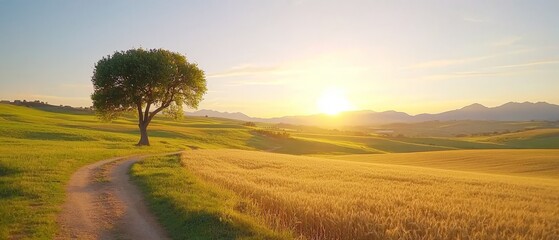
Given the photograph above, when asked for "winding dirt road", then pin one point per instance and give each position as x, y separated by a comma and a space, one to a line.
102, 203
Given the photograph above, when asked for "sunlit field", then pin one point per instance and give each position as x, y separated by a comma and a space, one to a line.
317, 198
41, 148
542, 163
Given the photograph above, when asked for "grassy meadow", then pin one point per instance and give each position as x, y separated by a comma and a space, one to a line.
537, 138
41, 148
38, 152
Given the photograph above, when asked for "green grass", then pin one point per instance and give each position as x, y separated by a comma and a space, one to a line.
301, 146
374, 144
192, 209
39, 151
537, 138
37, 157
451, 143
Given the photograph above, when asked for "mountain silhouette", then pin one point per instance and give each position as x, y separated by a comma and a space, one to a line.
512, 111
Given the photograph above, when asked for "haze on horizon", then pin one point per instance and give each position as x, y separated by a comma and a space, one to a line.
276, 58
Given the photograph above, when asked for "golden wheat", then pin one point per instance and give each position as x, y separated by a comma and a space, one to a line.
330, 199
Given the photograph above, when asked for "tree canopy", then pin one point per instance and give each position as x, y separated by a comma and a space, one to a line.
148, 82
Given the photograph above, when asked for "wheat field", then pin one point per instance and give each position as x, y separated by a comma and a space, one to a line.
541, 163
319, 198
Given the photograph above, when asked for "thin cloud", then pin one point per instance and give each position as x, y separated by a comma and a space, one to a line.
457, 61
448, 62
507, 41
246, 70
256, 83
528, 64
503, 70
470, 74
474, 20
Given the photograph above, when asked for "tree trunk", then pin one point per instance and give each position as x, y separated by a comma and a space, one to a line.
144, 141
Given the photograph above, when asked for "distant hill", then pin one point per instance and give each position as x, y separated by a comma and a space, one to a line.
512, 111
228, 115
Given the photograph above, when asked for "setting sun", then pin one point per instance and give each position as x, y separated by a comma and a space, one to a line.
333, 101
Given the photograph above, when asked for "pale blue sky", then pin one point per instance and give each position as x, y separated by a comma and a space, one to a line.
273, 58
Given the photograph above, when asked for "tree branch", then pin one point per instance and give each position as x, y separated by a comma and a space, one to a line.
146, 114
163, 106
157, 111
140, 114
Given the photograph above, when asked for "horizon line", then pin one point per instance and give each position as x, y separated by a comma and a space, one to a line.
311, 114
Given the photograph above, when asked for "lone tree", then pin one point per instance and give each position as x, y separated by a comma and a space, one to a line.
146, 81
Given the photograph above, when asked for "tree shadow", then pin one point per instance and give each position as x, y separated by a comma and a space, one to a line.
135, 131
55, 136
7, 188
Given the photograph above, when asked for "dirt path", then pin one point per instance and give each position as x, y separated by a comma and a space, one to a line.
102, 203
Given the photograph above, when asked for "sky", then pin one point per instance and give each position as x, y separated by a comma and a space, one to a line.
276, 58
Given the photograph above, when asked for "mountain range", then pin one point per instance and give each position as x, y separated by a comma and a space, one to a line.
512, 111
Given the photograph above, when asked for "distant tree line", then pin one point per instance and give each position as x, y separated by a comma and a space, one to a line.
41, 104
274, 134
249, 124
485, 134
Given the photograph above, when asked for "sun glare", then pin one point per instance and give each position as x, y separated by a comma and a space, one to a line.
333, 101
